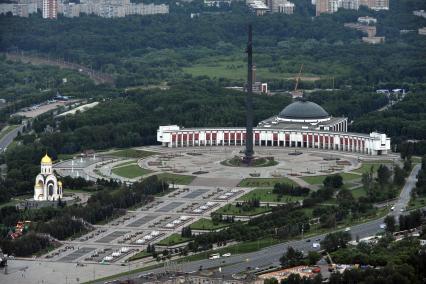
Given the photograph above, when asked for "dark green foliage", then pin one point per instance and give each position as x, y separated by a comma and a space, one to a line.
408, 149
291, 257
61, 228
334, 241
420, 188
390, 223
383, 175
26, 245
412, 220
399, 175
406, 119
403, 261
186, 232
334, 181
289, 189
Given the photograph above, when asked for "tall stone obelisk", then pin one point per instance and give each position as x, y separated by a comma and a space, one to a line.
249, 100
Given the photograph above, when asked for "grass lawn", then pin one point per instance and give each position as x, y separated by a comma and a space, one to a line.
132, 153
173, 240
177, 179
207, 224
130, 171
358, 192
234, 67
264, 182
266, 195
319, 179
417, 203
126, 163
231, 209
139, 255
366, 167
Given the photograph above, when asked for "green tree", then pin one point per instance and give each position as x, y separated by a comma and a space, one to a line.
334, 241
398, 176
383, 174
390, 223
291, 257
313, 257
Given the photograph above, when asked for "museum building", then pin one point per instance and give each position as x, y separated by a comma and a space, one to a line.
302, 124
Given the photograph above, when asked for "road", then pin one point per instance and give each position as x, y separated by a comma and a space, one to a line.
405, 194
8, 138
270, 256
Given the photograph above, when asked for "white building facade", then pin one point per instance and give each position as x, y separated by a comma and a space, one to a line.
314, 132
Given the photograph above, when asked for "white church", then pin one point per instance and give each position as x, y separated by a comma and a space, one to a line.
47, 187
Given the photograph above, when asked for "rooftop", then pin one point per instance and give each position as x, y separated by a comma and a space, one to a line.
303, 110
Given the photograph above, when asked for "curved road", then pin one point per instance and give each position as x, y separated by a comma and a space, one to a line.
271, 255
8, 138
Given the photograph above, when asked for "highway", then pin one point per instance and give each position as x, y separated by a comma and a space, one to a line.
270, 256
405, 195
8, 138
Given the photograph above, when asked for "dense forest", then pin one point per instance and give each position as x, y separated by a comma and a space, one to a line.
405, 120
152, 49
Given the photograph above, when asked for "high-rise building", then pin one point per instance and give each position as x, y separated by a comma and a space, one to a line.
326, 6
321, 6
50, 9
350, 4
376, 4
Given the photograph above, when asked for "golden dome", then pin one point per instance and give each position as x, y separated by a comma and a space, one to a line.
46, 159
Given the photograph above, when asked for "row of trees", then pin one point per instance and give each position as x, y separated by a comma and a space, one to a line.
289, 189
284, 221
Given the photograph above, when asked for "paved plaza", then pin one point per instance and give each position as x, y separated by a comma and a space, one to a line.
215, 186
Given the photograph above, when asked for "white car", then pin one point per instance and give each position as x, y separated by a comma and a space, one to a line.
347, 229
315, 245
382, 226
226, 254
214, 256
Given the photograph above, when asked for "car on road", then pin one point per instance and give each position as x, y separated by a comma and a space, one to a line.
308, 240
347, 229
226, 254
401, 210
382, 226
316, 245
392, 208
214, 256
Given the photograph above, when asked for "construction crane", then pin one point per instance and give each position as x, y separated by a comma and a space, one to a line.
297, 93
332, 266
